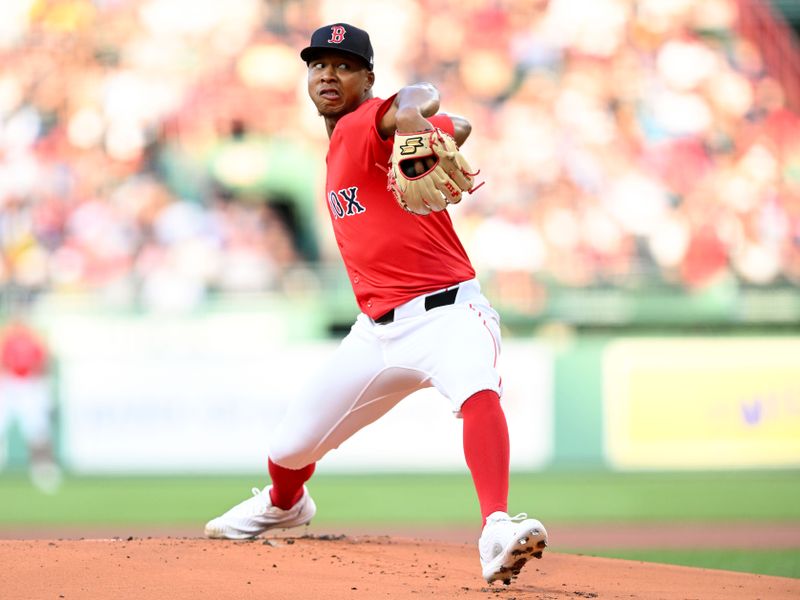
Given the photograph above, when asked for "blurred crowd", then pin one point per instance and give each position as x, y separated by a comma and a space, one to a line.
159, 151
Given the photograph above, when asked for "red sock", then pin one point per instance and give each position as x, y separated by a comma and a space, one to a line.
287, 484
486, 449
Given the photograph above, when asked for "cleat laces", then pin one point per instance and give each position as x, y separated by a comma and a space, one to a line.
258, 504
515, 519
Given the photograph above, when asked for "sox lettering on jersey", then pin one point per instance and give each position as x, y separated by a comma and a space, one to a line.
337, 34
348, 195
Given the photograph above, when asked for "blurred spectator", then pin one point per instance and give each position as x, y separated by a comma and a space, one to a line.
26, 399
160, 151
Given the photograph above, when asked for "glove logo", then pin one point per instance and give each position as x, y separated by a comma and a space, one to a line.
454, 192
337, 34
411, 145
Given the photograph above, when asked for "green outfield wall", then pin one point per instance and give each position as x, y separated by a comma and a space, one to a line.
624, 399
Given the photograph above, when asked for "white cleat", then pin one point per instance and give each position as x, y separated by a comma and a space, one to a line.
256, 515
507, 543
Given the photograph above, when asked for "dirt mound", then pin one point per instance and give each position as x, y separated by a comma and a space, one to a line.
334, 567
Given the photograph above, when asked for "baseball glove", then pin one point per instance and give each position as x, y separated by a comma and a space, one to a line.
427, 172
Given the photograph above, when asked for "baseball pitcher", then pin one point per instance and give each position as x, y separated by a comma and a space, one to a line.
394, 167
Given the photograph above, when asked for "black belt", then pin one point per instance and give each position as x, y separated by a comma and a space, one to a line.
444, 298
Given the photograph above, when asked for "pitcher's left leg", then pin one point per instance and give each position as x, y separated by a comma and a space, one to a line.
506, 543
486, 450
464, 345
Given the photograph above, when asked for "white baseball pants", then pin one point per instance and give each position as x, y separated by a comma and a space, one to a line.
453, 348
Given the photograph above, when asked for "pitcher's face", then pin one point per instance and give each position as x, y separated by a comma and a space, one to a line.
338, 83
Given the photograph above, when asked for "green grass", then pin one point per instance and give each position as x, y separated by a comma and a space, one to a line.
783, 563
444, 499
408, 499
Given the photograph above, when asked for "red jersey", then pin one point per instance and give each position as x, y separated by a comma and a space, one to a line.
22, 353
391, 255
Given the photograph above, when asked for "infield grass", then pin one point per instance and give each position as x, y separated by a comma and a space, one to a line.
444, 499
783, 563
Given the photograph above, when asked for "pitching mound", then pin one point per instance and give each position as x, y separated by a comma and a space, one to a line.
338, 567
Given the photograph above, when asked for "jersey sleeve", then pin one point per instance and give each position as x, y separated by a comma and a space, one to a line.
443, 122
385, 106
380, 149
